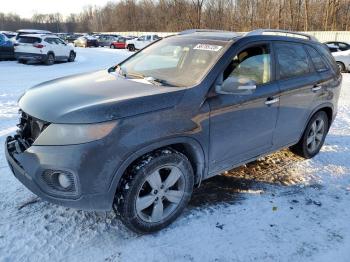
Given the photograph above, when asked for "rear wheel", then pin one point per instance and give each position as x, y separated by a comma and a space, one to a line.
155, 192
341, 67
50, 59
22, 61
314, 135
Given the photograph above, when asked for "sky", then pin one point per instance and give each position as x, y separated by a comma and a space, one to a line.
26, 8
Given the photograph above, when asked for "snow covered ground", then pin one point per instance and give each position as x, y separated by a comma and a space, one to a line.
280, 208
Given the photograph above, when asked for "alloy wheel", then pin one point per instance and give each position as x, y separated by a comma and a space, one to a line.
316, 134
160, 194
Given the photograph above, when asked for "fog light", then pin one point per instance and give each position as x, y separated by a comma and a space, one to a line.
64, 180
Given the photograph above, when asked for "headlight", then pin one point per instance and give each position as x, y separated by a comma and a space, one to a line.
70, 134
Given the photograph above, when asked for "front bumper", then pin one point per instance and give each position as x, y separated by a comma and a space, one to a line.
84, 161
30, 56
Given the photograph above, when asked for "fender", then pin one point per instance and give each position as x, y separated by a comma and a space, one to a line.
195, 147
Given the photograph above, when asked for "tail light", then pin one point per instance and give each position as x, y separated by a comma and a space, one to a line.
38, 45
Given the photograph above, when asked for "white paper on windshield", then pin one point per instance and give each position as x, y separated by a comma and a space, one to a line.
207, 47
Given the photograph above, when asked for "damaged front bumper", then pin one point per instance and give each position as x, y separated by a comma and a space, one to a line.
38, 168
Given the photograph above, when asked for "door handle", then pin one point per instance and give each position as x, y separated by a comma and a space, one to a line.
271, 101
316, 88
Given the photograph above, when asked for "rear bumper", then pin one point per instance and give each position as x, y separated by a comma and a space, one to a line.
28, 167
30, 56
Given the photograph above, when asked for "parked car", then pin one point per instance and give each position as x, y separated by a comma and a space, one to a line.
86, 41
120, 43
107, 40
43, 48
141, 42
31, 31
10, 35
343, 60
338, 46
141, 135
72, 37
6, 47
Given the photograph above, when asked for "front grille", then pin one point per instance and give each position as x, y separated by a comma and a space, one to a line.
29, 128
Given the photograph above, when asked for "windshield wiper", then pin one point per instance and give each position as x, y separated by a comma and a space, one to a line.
157, 81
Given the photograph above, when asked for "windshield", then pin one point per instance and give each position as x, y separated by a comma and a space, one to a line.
175, 61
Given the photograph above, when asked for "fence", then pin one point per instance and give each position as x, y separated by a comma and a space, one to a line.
322, 36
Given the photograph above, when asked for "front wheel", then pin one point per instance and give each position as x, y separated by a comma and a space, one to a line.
155, 192
131, 48
314, 135
112, 46
71, 57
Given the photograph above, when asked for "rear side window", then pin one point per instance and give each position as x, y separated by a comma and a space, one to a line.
29, 40
317, 60
292, 60
328, 56
2, 39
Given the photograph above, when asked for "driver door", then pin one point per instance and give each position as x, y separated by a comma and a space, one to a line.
242, 124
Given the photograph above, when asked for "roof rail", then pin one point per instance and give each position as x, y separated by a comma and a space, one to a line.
191, 31
281, 33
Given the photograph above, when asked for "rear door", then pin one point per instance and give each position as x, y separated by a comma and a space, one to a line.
53, 46
300, 85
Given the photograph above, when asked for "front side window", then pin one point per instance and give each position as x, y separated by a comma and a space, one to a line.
316, 59
252, 65
178, 61
292, 60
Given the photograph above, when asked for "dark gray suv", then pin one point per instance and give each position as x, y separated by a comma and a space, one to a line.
139, 136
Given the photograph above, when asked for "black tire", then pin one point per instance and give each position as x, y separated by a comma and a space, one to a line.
22, 61
71, 57
302, 148
131, 48
341, 67
50, 59
133, 185
112, 46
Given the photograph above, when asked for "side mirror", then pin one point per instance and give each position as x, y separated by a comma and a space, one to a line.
236, 86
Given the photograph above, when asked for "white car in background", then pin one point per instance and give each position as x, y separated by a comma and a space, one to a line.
343, 60
45, 48
141, 42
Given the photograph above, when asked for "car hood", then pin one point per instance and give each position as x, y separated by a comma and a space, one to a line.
95, 97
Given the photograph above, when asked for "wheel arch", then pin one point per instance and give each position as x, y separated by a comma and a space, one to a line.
186, 145
327, 108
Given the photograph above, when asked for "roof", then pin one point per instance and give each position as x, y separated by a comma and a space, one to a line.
210, 34
33, 31
40, 35
227, 35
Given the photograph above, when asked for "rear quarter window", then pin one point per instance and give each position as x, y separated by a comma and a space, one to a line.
326, 54
29, 40
317, 59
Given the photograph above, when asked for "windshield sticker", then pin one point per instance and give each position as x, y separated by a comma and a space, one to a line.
206, 47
